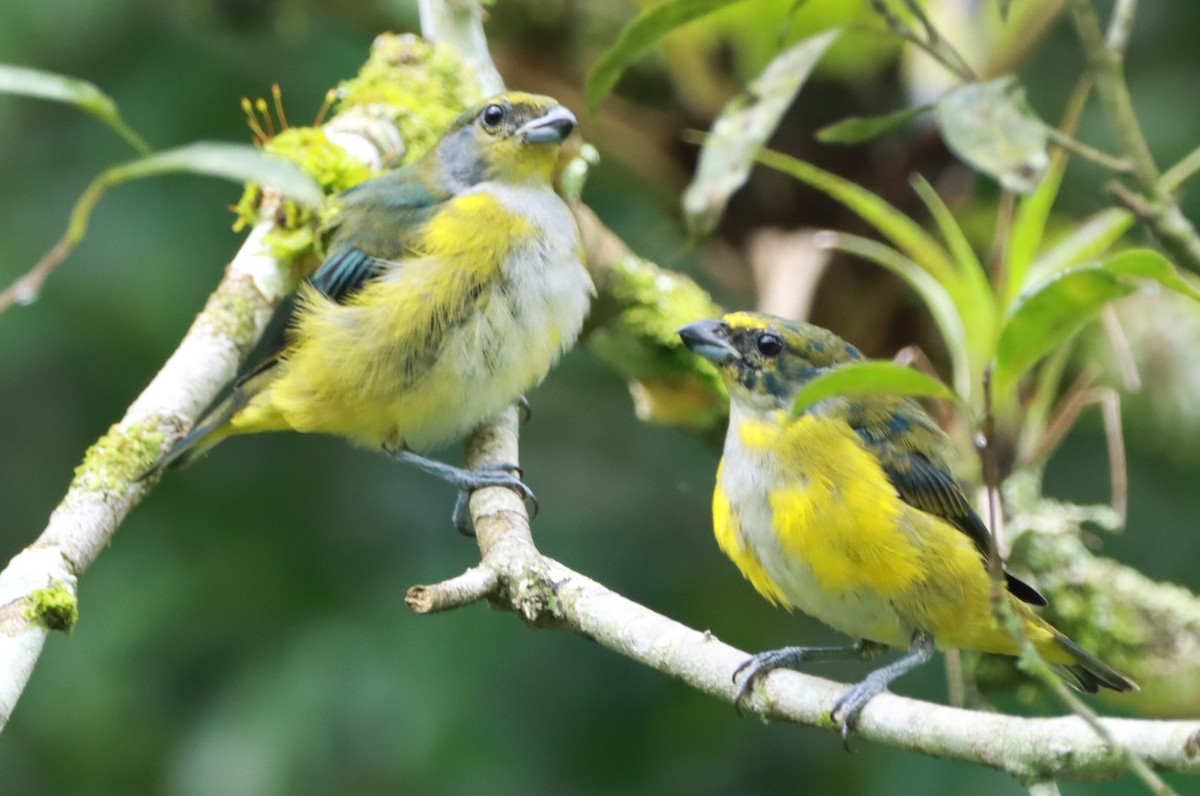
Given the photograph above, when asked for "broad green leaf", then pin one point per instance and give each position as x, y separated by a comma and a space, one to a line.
1087, 240
870, 377
857, 129
743, 127
236, 162
906, 234
639, 36
989, 127
60, 88
1049, 314
1029, 224
1149, 264
939, 303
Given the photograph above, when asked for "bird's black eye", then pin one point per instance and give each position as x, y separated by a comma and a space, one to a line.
492, 115
769, 344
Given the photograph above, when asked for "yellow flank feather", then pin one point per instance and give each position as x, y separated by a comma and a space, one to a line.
729, 539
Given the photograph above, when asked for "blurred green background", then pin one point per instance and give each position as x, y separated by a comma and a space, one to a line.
246, 633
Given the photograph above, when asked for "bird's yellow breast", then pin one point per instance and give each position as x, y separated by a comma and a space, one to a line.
834, 506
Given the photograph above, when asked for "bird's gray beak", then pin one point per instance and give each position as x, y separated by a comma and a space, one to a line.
553, 127
709, 339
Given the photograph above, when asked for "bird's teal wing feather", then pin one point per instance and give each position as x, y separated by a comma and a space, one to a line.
914, 454
371, 229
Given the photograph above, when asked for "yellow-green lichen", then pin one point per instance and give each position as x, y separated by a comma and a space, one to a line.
233, 311
423, 87
637, 336
118, 458
328, 163
54, 608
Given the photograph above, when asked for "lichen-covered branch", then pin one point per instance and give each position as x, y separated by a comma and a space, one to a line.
395, 106
106, 486
632, 329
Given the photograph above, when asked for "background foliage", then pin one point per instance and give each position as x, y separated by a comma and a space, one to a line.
247, 635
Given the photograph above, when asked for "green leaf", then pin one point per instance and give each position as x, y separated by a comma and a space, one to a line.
639, 36
857, 129
989, 127
872, 377
1149, 264
938, 301
1029, 224
906, 234
1050, 314
1087, 240
743, 127
60, 88
240, 163
236, 162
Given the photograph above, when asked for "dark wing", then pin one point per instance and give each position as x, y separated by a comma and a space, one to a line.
913, 452
372, 228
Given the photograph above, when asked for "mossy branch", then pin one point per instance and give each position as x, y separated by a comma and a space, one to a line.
407, 86
514, 576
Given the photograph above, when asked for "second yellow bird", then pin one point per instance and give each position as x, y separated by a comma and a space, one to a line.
850, 514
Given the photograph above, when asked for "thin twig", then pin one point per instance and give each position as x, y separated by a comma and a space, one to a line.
1181, 172
1087, 152
935, 48
1120, 25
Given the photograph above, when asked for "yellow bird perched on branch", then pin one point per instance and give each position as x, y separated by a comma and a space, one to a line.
450, 288
849, 513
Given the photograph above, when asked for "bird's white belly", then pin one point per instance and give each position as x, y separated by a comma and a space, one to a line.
524, 324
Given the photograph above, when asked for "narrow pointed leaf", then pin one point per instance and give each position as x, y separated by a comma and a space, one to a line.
906, 234
72, 91
1085, 241
743, 127
979, 313
939, 302
873, 377
989, 127
1049, 315
1029, 224
857, 129
639, 36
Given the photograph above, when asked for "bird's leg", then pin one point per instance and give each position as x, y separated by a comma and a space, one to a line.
792, 657
851, 703
468, 481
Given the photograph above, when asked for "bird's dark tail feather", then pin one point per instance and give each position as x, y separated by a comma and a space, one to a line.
1089, 673
202, 438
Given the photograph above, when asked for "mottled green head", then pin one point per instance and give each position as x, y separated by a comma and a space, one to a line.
511, 138
765, 360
